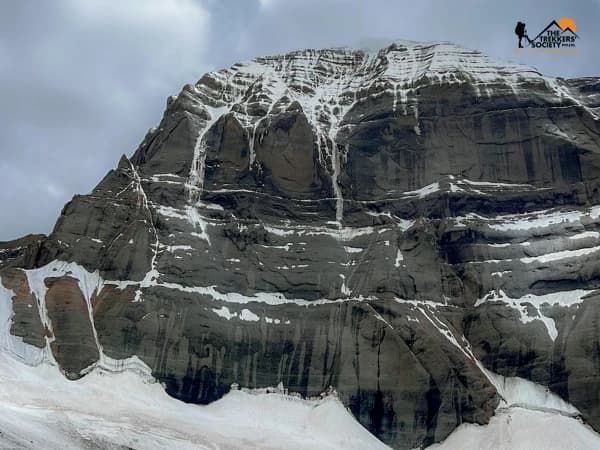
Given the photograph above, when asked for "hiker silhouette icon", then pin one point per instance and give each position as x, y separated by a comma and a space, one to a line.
521, 32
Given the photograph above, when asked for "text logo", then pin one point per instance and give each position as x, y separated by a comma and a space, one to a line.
559, 36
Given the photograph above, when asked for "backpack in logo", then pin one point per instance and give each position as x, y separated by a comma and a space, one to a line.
520, 29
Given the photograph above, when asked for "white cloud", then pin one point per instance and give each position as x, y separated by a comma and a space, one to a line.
264, 4
54, 190
95, 77
171, 31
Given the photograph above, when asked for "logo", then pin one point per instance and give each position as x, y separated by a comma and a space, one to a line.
558, 37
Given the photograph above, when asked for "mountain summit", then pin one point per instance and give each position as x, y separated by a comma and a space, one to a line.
399, 225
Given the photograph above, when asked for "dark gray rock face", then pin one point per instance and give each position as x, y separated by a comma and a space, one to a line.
21, 252
384, 223
74, 346
26, 322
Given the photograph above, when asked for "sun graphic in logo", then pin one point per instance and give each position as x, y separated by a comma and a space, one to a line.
567, 22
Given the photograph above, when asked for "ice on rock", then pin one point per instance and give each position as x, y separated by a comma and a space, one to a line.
224, 312
529, 416
523, 393
562, 298
399, 259
328, 83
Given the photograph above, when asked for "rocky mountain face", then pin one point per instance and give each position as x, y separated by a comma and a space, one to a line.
386, 223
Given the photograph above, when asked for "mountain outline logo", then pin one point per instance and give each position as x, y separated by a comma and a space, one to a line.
557, 35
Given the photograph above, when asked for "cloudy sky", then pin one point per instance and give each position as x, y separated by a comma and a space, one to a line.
82, 80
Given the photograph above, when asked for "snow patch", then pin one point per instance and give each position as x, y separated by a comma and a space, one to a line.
345, 290
522, 429
585, 235
248, 316
520, 392
196, 219
245, 314
399, 259
353, 249
224, 312
529, 416
560, 255
424, 191
562, 298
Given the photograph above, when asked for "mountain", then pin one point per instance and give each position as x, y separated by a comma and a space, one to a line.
552, 26
570, 32
404, 226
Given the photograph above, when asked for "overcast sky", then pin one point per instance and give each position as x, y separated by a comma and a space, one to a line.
82, 80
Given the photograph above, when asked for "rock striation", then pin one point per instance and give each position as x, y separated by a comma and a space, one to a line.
386, 223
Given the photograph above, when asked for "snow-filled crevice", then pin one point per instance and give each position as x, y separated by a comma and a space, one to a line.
90, 285
144, 204
195, 181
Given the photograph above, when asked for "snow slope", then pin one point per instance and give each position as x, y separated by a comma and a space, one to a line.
39, 408
529, 418
522, 429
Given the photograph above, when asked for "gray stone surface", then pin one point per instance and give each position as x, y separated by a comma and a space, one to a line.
26, 322
74, 346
